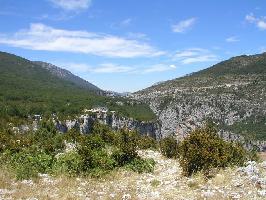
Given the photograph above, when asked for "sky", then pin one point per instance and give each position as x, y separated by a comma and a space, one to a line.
128, 45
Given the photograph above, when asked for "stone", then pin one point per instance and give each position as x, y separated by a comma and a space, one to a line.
262, 193
263, 164
207, 193
235, 195
126, 197
219, 179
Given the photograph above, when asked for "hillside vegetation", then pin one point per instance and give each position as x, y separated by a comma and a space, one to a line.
26, 88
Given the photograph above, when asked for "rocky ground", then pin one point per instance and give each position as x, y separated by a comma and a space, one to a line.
166, 182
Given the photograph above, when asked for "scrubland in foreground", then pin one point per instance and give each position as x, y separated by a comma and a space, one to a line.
125, 165
166, 182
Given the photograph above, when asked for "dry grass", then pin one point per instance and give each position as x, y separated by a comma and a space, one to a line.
165, 183
262, 155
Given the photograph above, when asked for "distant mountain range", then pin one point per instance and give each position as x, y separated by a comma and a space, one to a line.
232, 93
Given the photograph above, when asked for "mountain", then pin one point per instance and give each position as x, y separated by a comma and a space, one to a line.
28, 88
231, 93
67, 75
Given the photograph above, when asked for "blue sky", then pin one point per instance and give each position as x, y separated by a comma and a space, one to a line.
127, 45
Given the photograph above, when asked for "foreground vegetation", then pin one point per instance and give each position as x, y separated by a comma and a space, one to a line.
203, 150
72, 154
166, 182
47, 151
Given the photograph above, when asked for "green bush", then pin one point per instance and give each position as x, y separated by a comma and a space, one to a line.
73, 135
100, 129
69, 163
29, 162
85, 153
43, 151
147, 142
141, 165
127, 147
94, 142
169, 147
100, 159
107, 135
49, 141
204, 150
120, 157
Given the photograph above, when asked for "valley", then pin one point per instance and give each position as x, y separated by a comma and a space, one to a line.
64, 138
132, 100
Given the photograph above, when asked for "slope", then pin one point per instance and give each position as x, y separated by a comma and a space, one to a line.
27, 88
232, 93
68, 76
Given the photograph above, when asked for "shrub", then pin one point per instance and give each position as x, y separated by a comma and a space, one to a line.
29, 162
98, 128
203, 150
14, 142
95, 154
169, 147
102, 130
111, 138
85, 153
100, 159
73, 135
147, 142
94, 142
120, 157
69, 163
5, 138
127, 147
141, 165
50, 142
48, 125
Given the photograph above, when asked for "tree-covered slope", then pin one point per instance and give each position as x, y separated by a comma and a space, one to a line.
27, 88
68, 76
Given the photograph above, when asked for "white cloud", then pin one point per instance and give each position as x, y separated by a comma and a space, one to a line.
250, 18
184, 25
126, 22
260, 22
71, 5
115, 68
141, 36
159, 68
232, 39
194, 55
111, 68
42, 37
101, 68
122, 24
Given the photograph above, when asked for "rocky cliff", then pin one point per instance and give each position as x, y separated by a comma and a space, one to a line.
231, 93
85, 123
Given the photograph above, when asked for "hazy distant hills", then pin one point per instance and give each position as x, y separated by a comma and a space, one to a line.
232, 93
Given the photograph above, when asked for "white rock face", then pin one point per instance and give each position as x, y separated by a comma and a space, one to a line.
85, 122
186, 103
